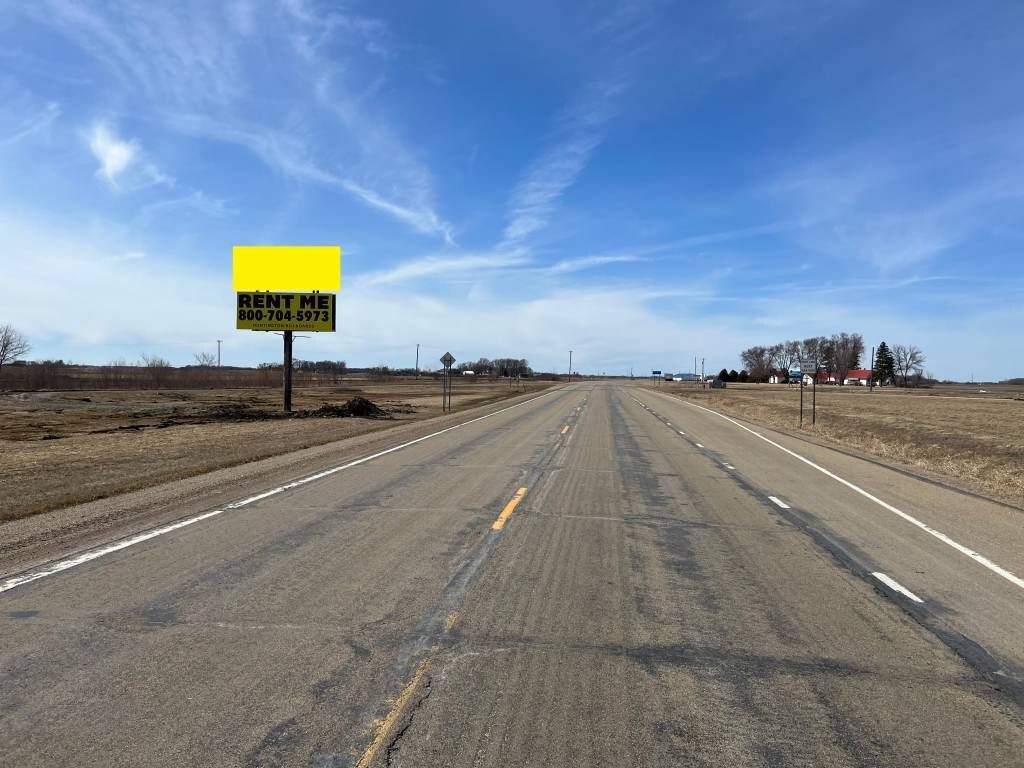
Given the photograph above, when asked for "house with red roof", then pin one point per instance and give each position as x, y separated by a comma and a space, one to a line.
861, 376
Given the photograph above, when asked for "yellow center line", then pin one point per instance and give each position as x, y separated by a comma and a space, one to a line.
506, 513
384, 726
565, 429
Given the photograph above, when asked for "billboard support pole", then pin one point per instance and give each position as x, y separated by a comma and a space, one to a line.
287, 371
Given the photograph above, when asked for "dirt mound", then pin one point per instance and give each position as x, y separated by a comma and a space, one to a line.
359, 407
235, 412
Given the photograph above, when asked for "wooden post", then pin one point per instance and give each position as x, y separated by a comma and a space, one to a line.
287, 371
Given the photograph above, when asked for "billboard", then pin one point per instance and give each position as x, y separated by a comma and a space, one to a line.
265, 311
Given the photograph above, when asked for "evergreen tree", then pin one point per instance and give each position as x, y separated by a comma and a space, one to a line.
723, 375
885, 364
744, 376
734, 375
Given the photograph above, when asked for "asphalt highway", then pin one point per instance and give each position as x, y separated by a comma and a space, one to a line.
602, 575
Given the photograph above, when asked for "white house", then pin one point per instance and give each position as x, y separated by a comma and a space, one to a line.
861, 376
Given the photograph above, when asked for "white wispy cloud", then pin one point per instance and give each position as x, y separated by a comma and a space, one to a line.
196, 201
114, 154
589, 262
473, 265
881, 205
209, 70
30, 123
290, 157
579, 134
121, 161
422, 219
385, 161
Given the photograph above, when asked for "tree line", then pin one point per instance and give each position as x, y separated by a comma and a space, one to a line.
499, 367
835, 355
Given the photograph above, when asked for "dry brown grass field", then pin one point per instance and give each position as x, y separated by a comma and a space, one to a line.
67, 447
970, 435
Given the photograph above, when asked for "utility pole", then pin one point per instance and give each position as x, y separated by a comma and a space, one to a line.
871, 380
570, 366
218, 351
417, 359
702, 373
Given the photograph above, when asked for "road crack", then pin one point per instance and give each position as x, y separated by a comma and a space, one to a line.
392, 745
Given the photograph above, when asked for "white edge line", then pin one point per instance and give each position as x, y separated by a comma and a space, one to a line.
779, 502
93, 554
893, 584
85, 557
978, 558
333, 470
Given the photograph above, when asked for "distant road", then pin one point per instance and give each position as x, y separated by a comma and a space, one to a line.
600, 575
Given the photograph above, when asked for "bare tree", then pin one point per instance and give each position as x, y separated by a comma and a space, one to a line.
847, 349
205, 359
12, 345
908, 360
788, 355
827, 354
758, 362
810, 351
157, 368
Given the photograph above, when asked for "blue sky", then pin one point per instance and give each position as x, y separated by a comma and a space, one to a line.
639, 182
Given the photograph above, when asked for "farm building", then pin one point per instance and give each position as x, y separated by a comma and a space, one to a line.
861, 376
856, 377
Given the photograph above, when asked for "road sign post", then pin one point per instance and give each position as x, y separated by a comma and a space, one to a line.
801, 396
446, 381
814, 398
810, 366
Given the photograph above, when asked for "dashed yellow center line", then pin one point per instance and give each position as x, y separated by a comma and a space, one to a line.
565, 429
506, 513
384, 726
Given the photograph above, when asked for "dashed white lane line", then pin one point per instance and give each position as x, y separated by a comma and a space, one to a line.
975, 556
93, 554
729, 466
683, 434
779, 502
893, 584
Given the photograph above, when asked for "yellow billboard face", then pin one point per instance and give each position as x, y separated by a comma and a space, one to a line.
286, 268
258, 311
